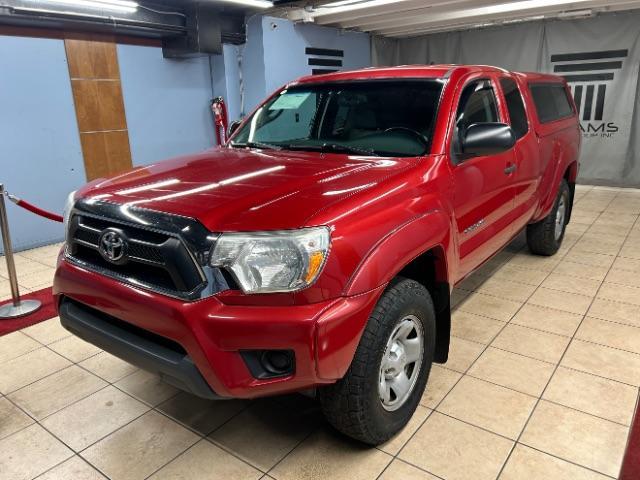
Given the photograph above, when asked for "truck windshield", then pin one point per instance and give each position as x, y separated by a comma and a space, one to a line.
383, 118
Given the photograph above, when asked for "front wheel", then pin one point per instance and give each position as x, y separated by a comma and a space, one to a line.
389, 372
545, 236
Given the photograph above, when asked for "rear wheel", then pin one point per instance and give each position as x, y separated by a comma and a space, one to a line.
384, 384
545, 236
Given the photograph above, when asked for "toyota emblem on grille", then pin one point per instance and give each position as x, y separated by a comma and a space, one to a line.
113, 245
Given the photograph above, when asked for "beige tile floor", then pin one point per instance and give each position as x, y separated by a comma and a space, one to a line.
542, 384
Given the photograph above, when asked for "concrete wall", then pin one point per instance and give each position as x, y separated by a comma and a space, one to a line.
166, 103
40, 154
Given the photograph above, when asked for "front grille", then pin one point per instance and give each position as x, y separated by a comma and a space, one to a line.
144, 245
87, 236
152, 258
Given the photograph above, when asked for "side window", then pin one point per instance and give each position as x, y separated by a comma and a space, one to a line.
551, 101
515, 105
477, 105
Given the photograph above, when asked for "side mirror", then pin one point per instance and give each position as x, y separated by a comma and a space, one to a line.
233, 126
487, 139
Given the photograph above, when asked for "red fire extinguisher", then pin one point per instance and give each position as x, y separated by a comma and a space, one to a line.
220, 119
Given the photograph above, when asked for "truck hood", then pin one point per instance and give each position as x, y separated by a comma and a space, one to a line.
237, 189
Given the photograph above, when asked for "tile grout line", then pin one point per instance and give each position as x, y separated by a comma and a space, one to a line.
535, 397
78, 452
523, 444
312, 432
585, 316
562, 356
149, 409
68, 405
506, 461
396, 456
201, 436
545, 361
64, 461
72, 363
487, 346
435, 408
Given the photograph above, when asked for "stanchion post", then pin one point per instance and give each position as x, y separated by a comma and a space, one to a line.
16, 307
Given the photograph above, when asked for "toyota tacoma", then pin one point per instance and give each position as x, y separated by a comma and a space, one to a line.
317, 249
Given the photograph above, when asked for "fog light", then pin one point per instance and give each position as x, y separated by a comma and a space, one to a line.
276, 361
269, 363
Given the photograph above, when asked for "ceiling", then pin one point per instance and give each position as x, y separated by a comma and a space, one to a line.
408, 18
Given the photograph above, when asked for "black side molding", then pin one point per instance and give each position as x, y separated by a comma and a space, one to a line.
102, 331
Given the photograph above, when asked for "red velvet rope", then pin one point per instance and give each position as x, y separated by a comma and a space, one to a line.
36, 210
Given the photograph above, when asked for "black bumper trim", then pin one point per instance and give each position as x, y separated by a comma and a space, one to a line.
173, 367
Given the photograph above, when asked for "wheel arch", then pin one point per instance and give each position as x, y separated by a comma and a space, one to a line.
430, 270
418, 250
570, 175
567, 172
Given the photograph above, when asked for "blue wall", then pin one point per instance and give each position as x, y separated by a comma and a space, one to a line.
226, 79
40, 153
166, 103
253, 67
285, 43
275, 53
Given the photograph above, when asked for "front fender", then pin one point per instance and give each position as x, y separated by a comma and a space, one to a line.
397, 249
338, 338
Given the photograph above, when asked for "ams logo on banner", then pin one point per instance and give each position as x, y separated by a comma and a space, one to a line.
589, 74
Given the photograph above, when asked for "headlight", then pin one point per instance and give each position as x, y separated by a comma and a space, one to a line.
66, 213
278, 261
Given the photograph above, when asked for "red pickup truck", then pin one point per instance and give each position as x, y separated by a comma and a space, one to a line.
317, 250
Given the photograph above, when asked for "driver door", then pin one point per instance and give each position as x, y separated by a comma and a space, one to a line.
482, 185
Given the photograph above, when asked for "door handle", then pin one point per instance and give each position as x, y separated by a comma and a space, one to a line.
510, 169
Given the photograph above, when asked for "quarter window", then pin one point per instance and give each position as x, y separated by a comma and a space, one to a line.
515, 105
551, 101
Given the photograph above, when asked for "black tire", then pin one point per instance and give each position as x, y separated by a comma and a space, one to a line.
542, 237
353, 404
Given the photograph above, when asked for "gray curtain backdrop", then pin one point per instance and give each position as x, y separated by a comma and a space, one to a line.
599, 56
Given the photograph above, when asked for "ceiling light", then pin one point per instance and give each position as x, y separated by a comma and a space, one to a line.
523, 19
115, 5
575, 13
342, 3
348, 5
250, 3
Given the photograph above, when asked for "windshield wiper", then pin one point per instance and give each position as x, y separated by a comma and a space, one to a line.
334, 147
267, 146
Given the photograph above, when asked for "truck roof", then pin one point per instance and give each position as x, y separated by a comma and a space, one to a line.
420, 71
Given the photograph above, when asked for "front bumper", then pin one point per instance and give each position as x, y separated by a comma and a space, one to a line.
210, 334
173, 365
